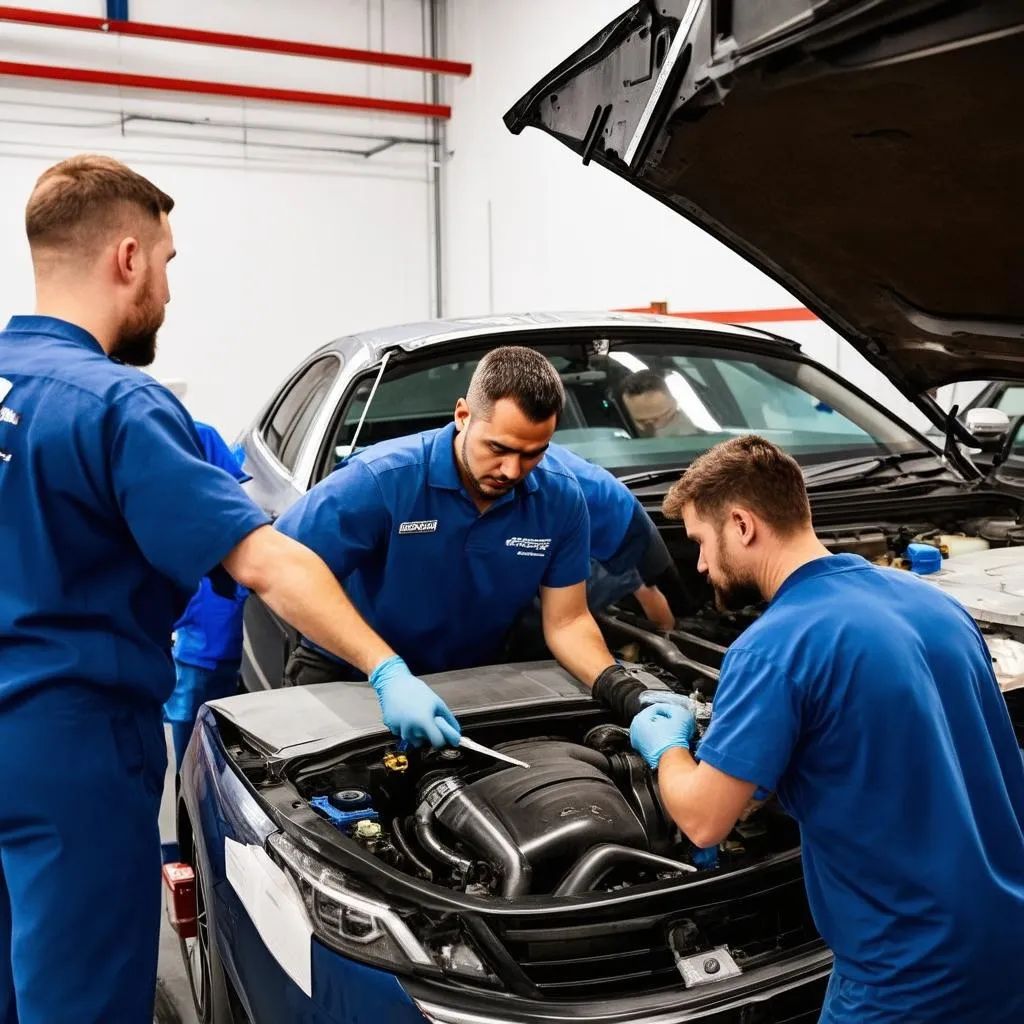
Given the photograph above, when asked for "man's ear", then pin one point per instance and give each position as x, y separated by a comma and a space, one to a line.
461, 415
745, 524
128, 257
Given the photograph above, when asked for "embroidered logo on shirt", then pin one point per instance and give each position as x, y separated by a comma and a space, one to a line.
418, 526
530, 547
9, 416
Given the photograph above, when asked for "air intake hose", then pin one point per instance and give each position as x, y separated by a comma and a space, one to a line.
448, 801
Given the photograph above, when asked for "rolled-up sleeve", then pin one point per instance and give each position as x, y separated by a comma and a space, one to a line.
756, 721
570, 559
184, 514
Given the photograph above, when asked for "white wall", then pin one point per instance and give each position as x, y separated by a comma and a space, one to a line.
529, 227
282, 245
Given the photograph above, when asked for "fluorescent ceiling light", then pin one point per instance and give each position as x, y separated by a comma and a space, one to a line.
629, 361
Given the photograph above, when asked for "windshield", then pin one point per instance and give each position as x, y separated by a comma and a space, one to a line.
637, 406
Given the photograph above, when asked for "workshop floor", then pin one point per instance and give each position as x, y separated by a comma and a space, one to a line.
174, 1000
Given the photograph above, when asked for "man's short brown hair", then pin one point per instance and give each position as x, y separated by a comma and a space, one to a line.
78, 203
747, 471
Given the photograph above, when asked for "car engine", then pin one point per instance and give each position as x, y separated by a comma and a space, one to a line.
585, 816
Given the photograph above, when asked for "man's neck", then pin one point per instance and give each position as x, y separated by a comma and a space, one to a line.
790, 556
65, 304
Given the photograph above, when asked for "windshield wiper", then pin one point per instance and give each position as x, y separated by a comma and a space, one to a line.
852, 470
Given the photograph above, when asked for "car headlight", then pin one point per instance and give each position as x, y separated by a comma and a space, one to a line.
369, 930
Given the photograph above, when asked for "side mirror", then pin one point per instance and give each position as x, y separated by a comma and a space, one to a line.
987, 424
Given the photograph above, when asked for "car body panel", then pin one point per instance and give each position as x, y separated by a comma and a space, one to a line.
835, 146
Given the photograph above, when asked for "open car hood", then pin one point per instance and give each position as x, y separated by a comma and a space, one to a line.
860, 152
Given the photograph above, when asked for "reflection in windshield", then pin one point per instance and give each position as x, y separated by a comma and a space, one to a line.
632, 406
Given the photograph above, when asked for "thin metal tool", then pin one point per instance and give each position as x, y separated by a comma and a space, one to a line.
469, 744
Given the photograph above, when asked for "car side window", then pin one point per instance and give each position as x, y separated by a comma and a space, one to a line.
286, 427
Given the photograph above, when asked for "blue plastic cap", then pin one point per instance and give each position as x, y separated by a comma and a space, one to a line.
924, 558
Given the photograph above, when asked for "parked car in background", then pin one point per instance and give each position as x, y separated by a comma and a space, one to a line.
339, 879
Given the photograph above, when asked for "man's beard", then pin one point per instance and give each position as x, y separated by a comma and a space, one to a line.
733, 593
483, 490
136, 341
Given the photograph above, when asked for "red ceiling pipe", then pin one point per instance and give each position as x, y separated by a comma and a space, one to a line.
123, 80
233, 40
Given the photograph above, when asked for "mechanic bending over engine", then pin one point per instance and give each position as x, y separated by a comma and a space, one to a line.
111, 517
627, 553
866, 698
441, 539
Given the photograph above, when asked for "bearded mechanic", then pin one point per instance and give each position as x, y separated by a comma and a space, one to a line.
866, 697
442, 538
111, 516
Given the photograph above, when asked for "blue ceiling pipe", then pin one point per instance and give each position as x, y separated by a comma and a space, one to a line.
117, 10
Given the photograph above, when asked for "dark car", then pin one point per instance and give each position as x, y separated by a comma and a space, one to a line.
851, 151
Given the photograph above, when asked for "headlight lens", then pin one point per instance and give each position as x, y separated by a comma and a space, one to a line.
367, 929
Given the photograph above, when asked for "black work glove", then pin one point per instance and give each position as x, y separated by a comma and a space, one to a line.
620, 692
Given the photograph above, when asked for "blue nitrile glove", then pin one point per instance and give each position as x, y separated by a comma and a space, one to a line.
410, 708
659, 727
665, 697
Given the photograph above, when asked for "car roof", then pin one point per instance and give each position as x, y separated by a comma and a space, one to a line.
413, 336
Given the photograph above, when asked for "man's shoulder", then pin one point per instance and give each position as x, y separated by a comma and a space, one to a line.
409, 452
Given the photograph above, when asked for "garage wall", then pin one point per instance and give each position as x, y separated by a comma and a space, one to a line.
529, 227
284, 240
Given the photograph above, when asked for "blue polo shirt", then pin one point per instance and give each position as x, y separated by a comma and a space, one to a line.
438, 580
210, 630
610, 504
866, 698
111, 516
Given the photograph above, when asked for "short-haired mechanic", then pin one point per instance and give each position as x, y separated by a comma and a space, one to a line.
443, 537
866, 697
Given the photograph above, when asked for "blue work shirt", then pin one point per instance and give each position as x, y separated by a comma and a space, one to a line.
610, 504
210, 630
438, 580
111, 516
866, 697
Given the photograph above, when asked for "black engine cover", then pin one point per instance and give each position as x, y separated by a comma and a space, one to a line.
564, 804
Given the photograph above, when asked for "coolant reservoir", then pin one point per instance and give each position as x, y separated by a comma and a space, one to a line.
961, 544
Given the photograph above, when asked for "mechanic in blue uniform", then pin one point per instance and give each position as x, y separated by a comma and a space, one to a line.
627, 553
443, 537
207, 647
866, 698
109, 518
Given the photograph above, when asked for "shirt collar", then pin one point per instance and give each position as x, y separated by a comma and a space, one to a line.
54, 328
826, 565
443, 473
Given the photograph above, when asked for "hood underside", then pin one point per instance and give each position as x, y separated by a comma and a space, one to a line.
866, 155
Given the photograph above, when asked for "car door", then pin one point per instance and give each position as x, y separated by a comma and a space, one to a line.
277, 455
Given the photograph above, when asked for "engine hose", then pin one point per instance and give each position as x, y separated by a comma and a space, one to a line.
664, 651
398, 834
425, 834
585, 874
476, 824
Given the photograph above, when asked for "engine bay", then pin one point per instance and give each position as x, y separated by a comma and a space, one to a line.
584, 817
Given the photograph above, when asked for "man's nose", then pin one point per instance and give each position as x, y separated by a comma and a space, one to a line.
511, 467
702, 565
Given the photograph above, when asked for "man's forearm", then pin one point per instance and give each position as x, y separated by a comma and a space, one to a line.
295, 583
677, 773
579, 647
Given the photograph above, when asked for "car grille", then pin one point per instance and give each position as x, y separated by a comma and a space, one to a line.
604, 954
